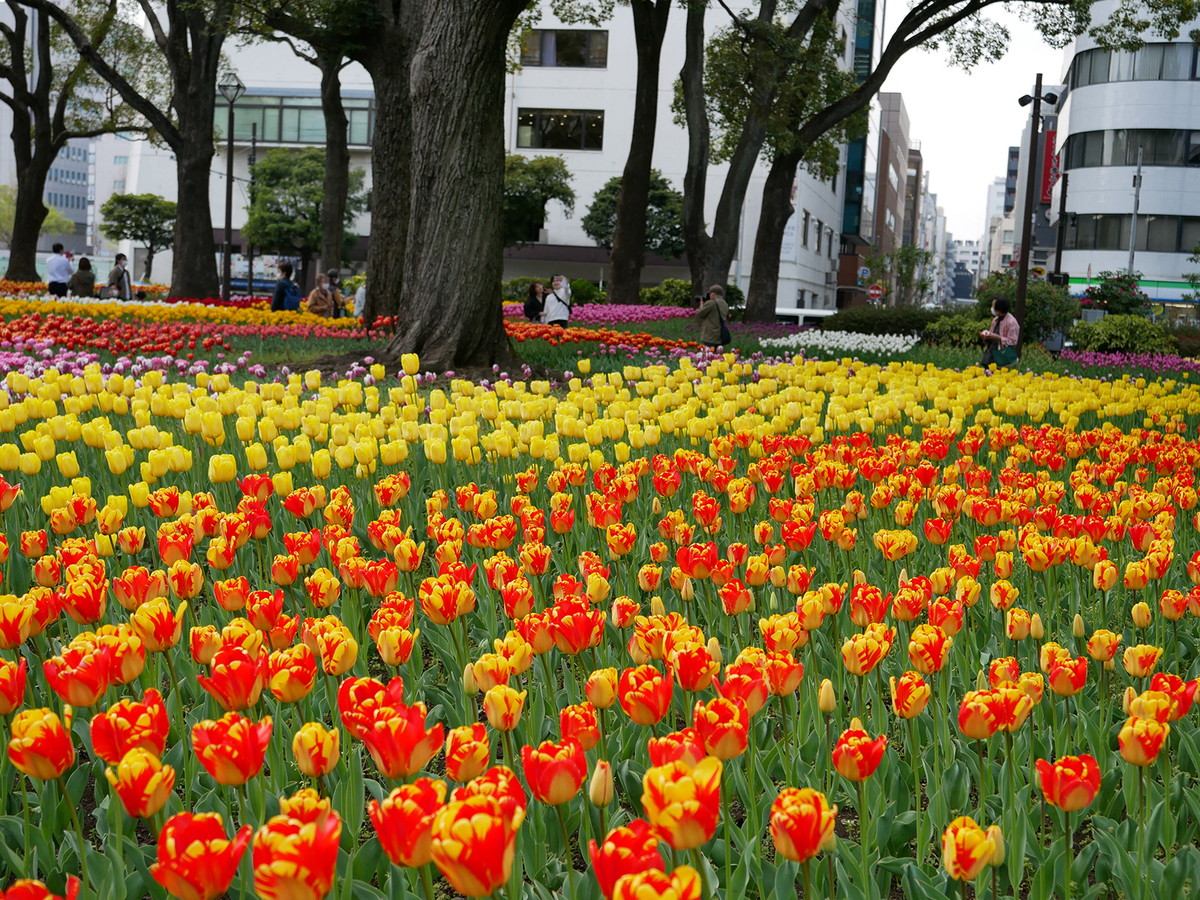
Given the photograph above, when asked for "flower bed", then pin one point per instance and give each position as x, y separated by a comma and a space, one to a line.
701, 617
1143, 362
523, 331
155, 311
844, 341
611, 314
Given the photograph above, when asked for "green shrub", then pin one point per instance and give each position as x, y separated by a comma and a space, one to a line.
1122, 334
1048, 308
734, 296
955, 331
882, 319
515, 290
1187, 339
583, 291
1118, 294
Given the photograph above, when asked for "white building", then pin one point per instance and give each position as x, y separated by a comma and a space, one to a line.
1120, 102
573, 98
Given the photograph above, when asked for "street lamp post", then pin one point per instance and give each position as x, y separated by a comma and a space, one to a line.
1031, 172
231, 89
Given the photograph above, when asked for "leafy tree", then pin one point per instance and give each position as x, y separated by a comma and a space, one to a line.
145, 219
180, 106
529, 184
53, 223
663, 219
902, 269
54, 97
1048, 308
285, 217
1193, 278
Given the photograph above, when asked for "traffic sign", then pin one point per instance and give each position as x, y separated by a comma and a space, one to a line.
875, 292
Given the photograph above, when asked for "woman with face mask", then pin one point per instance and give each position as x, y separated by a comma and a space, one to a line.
1000, 338
558, 302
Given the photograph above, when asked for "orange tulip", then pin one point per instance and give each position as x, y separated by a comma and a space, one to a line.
929, 648
554, 771
316, 749
398, 740
403, 821
231, 748
128, 725
683, 883
295, 853
473, 843
645, 694
723, 726
1141, 740
802, 823
1070, 783
682, 802
502, 705
142, 782
196, 861
467, 751
1140, 661
40, 743
627, 850
910, 695
237, 678
966, 849
855, 755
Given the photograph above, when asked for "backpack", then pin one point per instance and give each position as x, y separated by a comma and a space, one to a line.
291, 296
533, 308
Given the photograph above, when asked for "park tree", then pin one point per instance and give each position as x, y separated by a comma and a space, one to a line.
957, 26
663, 228
188, 35
287, 214
54, 222
901, 273
145, 219
529, 184
55, 97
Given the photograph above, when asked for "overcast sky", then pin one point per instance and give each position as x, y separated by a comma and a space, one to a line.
966, 121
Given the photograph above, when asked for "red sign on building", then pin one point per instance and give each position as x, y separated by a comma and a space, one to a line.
1049, 165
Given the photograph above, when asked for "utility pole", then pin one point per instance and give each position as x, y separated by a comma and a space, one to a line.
1031, 170
1060, 238
1137, 202
249, 246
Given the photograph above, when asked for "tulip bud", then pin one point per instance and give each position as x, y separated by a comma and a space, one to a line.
600, 788
903, 575
981, 681
656, 506
657, 607
1109, 665
996, 836
1127, 698
470, 685
687, 590
1141, 615
859, 577
714, 650
1036, 631
826, 701
1077, 626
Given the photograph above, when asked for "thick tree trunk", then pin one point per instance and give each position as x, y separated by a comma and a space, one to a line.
29, 214
194, 262
337, 164
388, 62
629, 239
768, 241
150, 268
450, 311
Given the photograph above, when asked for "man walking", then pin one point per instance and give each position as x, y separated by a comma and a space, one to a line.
119, 285
58, 271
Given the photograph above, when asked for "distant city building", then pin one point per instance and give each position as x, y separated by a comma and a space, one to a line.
1121, 102
1044, 231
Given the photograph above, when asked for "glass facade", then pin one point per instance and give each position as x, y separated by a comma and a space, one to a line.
1156, 234
574, 49
1119, 147
560, 129
294, 120
1152, 62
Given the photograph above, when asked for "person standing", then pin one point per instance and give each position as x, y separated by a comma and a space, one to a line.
558, 302
360, 300
119, 285
320, 299
1001, 337
58, 271
83, 282
711, 315
339, 304
287, 293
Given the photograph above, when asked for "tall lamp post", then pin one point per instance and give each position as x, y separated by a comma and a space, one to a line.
231, 89
1031, 173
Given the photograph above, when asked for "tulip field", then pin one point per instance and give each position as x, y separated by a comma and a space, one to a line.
696, 627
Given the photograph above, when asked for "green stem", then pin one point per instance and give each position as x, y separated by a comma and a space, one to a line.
1070, 853
698, 865
427, 881
862, 838
83, 870
917, 788
728, 817
806, 879
570, 872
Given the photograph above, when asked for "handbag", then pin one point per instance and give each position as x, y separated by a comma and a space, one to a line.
104, 293
1004, 355
726, 337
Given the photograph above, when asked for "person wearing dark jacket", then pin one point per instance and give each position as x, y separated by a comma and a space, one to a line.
285, 288
711, 314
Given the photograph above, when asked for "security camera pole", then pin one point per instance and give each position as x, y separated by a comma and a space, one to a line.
1031, 172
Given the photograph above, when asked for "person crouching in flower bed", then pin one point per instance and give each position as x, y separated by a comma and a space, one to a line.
1000, 338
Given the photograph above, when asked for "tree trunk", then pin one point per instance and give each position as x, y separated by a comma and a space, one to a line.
337, 164
150, 268
768, 241
29, 214
451, 312
695, 178
194, 261
388, 59
629, 238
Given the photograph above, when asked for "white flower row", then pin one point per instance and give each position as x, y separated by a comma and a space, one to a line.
844, 341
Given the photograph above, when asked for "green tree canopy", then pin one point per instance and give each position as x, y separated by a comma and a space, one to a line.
1048, 308
285, 217
529, 184
664, 216
145, 219
54, 223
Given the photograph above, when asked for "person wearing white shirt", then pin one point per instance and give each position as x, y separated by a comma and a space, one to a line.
58, 271
558, 302
360, 301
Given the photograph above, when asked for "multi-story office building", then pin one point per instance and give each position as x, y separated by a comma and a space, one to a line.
1046, 176
1122, 104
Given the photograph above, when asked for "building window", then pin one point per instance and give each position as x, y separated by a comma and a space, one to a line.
119, 187
1151, 62
574, 49
1119, 147
120, 160
1007, 237
804, 231
1156, 234
560, 129
294, 120
889, 219
829, 241
818, 237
